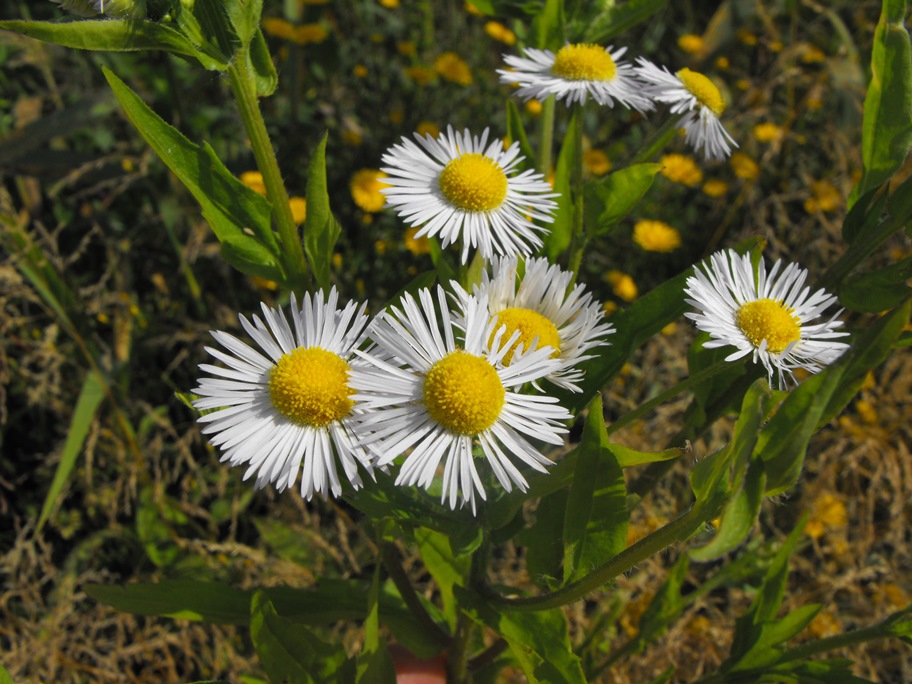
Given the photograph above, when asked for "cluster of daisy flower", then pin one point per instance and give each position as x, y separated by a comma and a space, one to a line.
435, 378
579, 71
437, 383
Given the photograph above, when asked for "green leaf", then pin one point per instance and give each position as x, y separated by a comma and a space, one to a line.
879, 290
90, 397
289, 651
538, 640
543, 540
206, 24
447, 569
155, 517
887, 128
628, 458
558, 239
738, 518
618, 19
245, 18
596, 518
374, 662
610, 199
783, 441
665, 607
548, 25
114, 36
180, 599
240, 217
517, 132
264, 72
321, 230
4, 676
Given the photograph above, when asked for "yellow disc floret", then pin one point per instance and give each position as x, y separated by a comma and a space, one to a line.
770, 320
473, 182
703, 89
310, 387
584, 62
463, 393
530, 325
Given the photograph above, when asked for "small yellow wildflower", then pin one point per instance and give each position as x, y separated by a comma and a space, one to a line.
406, 48
360, 71
681, 169
254, 181
453, 68
825, 197
656, 236
596, 162
812, 55
824, 624
264, 283
866, 411
827, 512
428, 128
278, 27
622, 285
723, 63
310, 33
777, 45
416, 246
420, 75
534, 107
742, 84
743, 166
500, 33
715, 188
298, 206
471, 9
767, 132
365, 187
389, 4
691, 43
669, 329
337, 260
381, 246
746, 36
609, 307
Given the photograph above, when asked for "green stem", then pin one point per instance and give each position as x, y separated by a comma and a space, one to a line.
458, 666
658, 141
672, 391
243, 88
577, 236
677, 530
546, 136
853, 638
390, 558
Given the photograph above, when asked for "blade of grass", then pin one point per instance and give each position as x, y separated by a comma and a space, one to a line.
86, 405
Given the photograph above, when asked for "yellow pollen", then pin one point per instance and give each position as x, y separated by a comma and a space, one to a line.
473, 182
310, 387
703, 89
530, 324
584, 62
767, 319
463, 393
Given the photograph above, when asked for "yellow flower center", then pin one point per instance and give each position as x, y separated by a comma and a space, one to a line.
473, 182
310, 387
584, 62
530, 325
463, 393
767, 319
703, 89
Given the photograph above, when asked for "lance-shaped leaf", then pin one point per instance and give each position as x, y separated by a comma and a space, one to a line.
617, 19
445, 567
561, 229
887, 129
517, 132
596, 518
321, 230
879, 290
538, 640
374, 661
114, 36
239, 217
610, 199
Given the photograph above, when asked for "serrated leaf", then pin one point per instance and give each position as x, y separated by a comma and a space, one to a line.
113, 35
87, 403
610, 199
321, 230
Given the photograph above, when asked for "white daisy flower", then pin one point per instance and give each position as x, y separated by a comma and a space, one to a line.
448, 395
461, 188
766, 315
576, 72
289, 409
544, 309
694, 95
